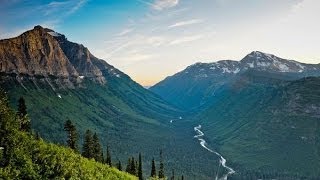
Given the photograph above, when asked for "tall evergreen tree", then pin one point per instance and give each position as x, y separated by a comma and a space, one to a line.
108, 157
182, 177
172, 176
71, 130
25, 123
140, 174
133, 169
136, 168
119, 166
87, 150
128, 168
22, 108
97, 149
161, 166
153, 169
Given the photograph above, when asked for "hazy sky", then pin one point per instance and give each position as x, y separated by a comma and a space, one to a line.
151, 39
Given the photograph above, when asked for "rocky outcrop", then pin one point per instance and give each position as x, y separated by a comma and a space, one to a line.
42, 53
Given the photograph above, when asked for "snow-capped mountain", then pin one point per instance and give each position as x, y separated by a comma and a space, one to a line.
192, 86
268, 62
257, 61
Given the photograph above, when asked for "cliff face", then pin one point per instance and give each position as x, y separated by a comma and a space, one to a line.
43, 52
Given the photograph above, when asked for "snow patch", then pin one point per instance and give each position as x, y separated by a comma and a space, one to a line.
236, 71
263, 64
226, 70
300, 65
59, 96
251, 65
283, 67
81, 77
303, 138
52, 33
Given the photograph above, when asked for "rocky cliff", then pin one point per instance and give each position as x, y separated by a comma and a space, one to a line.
48, 55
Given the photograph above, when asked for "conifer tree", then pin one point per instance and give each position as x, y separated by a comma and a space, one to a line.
22, 108
140, 175
25, 124
128, 168
182, 177
37, 136
133, 167
97, 149
87, 150
71, 130
153, 169
108, 157
172, 176
119, 167
136, 168
161, 166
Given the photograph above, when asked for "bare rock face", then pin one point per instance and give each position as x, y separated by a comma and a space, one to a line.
81, 58
43, 52
34, 52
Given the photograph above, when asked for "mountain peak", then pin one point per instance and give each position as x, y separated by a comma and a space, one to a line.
38, 27
44, 52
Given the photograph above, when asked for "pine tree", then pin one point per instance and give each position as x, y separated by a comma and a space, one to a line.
153, 169
119, 165
22, 108
25, 123
140, 175
87, 150
71, 130
97, 149
128, 168
133, 167
108, 157
182, 177
136, 168
161, 167
37, 136
172, 177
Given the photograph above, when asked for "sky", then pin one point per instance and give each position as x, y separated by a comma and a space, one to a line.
152, 39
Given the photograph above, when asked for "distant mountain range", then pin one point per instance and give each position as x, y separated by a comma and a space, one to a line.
192, 87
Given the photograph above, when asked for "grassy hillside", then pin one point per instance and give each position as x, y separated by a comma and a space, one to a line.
24, 157
267, 127
127, 119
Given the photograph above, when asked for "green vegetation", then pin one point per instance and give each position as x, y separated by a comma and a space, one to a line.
117, 117
25, 157
72, 135
267, 130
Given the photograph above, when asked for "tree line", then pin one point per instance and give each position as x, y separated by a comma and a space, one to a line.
92, 148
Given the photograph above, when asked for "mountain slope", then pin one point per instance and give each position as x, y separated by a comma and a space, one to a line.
192, 87
93, 94
25, 157
267, 126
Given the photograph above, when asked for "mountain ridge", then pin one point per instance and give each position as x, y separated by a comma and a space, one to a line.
190, 87
44, 52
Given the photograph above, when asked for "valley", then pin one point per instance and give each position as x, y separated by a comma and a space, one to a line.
259, 117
